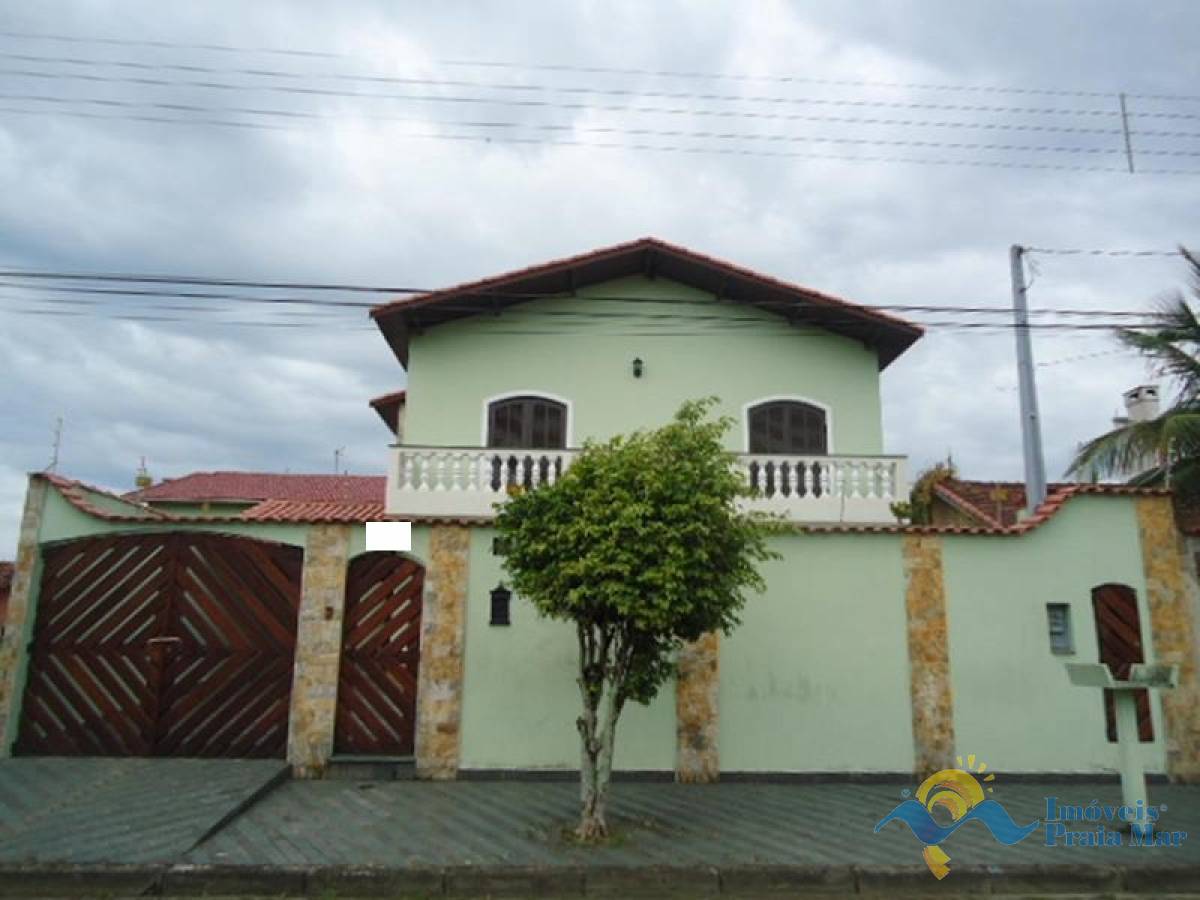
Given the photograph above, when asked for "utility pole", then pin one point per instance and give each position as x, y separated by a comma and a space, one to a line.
1031, 423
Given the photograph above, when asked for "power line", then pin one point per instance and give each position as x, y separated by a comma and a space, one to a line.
169, 45
401, 80
537, 103
41, 276
1072, 251
258, 72
721, 322
608, 130
799, 79
610, 145
603, 70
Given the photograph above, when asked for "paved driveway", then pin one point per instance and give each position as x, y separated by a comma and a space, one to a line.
92, 810
729, 824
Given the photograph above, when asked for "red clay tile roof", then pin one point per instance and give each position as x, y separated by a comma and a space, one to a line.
1042, 514
314, 511
388, 407
89, 499
889, 335
996, 503
199, 487
75, 493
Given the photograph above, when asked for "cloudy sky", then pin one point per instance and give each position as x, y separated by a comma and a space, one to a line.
316, 142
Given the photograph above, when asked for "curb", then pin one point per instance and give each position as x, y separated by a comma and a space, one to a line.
42, 880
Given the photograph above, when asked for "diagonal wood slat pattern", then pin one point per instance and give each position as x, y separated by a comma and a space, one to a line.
377, 681
1119, 631
163, 645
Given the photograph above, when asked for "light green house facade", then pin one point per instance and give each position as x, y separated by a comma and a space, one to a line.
581, 348
877, 648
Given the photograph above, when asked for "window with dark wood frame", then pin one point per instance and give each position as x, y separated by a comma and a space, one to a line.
788, 426
527, 423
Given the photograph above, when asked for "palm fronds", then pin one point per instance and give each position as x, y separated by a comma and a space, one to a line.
1164, 450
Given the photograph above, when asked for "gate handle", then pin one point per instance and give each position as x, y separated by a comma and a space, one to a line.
160, 640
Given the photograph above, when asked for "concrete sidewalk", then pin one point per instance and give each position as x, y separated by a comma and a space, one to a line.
345, 838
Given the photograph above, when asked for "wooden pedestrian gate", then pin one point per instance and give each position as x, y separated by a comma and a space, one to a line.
377, 679
1119, 634
175, 644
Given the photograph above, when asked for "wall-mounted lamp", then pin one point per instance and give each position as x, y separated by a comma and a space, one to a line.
501, 597
637, 367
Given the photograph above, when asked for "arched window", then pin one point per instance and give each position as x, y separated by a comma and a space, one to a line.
788, 426
527, 423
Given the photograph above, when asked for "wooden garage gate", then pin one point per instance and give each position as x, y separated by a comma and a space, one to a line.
162, 645
381, 641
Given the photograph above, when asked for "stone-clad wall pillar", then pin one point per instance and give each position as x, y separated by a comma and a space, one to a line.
928, 654
1172, 597
318, 650
20, 613
696, 752
443, 630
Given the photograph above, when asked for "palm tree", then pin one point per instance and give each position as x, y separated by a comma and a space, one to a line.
1164, 451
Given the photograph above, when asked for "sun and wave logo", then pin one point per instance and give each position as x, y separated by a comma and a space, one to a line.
959, 793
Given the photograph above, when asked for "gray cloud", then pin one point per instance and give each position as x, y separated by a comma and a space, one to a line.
349, 197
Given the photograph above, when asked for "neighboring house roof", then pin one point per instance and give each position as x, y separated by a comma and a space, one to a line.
109, 507
253, 487
1000, 504
388, 407
101, 503
1044, 513
993, 503
889, 335
7, 570
315, 511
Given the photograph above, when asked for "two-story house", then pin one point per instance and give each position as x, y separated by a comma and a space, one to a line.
877, 647
517, 371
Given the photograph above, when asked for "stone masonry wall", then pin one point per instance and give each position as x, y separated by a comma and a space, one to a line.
696, 719
1172, 597
928, 654
20, 611
443, 630
318, 650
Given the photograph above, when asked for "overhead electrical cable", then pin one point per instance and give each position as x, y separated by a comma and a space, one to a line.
598, 70
539, 103
608, 130
632, 146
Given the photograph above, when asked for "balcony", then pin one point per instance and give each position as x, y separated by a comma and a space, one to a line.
461, 481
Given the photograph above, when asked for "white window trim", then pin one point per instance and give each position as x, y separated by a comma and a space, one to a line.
746, 407
509, 395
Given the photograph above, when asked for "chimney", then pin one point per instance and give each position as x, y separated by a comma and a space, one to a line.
1141, 403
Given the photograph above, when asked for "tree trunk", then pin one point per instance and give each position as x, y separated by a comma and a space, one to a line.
599, 681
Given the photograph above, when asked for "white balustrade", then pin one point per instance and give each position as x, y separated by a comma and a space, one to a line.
445, 481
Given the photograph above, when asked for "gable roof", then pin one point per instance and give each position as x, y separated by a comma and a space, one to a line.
888, 335
254, 487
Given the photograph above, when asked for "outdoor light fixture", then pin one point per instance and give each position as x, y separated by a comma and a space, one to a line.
501, 596
637, 367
